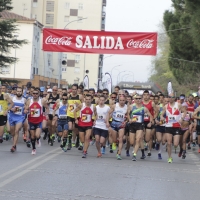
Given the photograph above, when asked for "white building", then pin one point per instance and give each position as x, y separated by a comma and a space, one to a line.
57, 14
29, 54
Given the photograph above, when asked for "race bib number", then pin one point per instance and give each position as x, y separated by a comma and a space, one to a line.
137, 118
18, 110
101, 117
85, 118
120, 115
172, 119
72, 107
35, 112
62, 116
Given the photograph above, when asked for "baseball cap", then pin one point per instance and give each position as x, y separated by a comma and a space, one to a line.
194, 94
49, 90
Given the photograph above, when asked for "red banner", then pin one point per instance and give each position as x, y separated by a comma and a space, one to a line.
99, 42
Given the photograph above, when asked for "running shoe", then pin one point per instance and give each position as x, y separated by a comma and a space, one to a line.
188, 147
114, 146
51, 142
183, 156
159, 156
149, 154
1, 140
38, 143
180, 154
80, 148
199, 151
170, 160
143, 157
103, 150
73, 144
28, 143
53, 137
13, 149
84, 155
134, 158
65, 148
24, 137
111, 151
69, 146
127, 153
33, 152
99, 155
193, 144
119, 157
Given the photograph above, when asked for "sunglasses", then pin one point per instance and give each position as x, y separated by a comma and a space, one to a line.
138, 98
64, 99
34, 93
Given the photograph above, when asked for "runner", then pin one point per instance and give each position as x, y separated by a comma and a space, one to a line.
62, 121
136, 113
173, 121
4, 108
196, 115
101, 124
35, 117
148, 129
118, 113
52, 121
74, 99
17, 117
85, 122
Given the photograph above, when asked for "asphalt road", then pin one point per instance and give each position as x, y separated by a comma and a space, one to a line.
53, 174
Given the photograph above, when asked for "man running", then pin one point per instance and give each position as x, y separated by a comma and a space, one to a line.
173, 121
85, 123
34, 107
101, 124
62, 126
17, 117
4, 108
118, 113
135, 116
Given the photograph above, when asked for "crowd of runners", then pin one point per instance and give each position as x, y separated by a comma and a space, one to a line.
79, 117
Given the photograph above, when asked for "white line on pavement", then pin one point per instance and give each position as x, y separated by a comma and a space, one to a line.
9, 180
27, 163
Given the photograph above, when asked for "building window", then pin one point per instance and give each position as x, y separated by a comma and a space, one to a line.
66, 18
77, 58
64, 69
50, 6
35, 3
73, 12
71, 63
77, 70
80, 6
67, 5
49, 18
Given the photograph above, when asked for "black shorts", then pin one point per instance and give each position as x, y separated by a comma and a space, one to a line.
35, 126
145, 126
134, 127
84, 128
100, 132
182, 131
173, 130
160, 129
198, 129
51, 116
72, 120
3, 120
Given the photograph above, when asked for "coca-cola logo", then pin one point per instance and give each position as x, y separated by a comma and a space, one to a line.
66, 41
144, 44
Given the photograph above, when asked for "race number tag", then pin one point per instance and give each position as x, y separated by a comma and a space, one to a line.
120, 115
172, 119
85, 118
72, 107
18, 110
137, 118
62, 116
101, 117
35, 112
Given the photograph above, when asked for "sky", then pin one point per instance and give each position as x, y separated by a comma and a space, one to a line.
132, 16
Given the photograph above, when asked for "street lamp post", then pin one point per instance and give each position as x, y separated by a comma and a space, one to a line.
133, 75
60, 57
114, 68
118, 76
124, 76
127, 76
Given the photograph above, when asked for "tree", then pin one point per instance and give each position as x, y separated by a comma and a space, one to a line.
184, 53
8, 29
